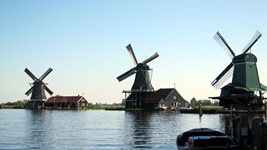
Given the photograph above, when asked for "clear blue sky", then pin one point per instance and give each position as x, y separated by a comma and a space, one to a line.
84, 42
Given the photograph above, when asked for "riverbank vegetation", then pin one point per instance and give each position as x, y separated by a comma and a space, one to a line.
106, 106
194, 104
17, 104
205, 104
22, 103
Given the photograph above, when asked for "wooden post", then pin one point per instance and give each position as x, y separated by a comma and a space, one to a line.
236, 124
231, 123
264, 136
255, 131
200, 110
243, 131
265, 111
227, 125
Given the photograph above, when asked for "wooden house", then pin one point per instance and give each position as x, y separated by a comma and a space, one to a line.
166, 98
72, 102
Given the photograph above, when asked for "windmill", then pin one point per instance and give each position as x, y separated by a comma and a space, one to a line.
245, 82
142, 86
38, 86
142, 78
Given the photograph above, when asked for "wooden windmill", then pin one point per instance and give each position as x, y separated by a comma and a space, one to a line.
142, 78
245, 88
37, 90
142, 84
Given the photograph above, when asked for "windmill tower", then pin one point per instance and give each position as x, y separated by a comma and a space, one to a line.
142, 83
37, 90
245, 89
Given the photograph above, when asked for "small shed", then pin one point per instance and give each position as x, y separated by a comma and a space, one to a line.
67, 102
165, 98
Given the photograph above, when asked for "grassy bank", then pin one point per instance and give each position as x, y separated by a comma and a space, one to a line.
107, 107
212, 107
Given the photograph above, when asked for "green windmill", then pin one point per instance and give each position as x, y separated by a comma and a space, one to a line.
245, 89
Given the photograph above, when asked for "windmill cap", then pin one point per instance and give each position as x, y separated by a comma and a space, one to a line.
245, 58
141, 65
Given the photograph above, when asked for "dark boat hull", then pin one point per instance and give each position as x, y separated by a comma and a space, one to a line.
203, 139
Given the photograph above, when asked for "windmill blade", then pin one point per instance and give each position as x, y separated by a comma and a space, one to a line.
151, 58
129, 47
29, 91
30, 74
253, 40
126, 74
223, 76
221, 41
48, 90
46, 73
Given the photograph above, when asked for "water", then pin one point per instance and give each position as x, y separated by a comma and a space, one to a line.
97, 129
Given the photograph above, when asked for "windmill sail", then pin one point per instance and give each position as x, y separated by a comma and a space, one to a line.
130, 49
30, 74
45, 74
151, 58
223, 76
253, 40
29, 91
48, 90
221, 41
126, 75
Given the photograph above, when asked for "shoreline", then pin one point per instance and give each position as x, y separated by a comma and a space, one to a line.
189, 111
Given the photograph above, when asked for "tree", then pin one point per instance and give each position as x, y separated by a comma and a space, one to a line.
204, 102
18, 103
193, 102
216, 103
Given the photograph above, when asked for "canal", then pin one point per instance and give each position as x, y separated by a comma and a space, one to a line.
98, 129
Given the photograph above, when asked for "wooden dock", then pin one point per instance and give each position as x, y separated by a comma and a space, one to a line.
248, 135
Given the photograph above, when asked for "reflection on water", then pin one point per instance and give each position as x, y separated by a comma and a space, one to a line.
39, 129
97, 129
159, 129
137, 126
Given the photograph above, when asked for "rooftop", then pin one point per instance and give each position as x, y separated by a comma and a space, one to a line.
64, 99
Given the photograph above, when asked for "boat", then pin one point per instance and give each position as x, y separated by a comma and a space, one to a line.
204, 139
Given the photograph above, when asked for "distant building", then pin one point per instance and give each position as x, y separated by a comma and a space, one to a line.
67, 102
167, 98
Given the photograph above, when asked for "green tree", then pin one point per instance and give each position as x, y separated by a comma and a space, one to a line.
193, 102
216, 103
204, 102
19, 103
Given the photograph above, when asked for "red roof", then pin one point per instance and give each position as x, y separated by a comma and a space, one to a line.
158, 95
64, 99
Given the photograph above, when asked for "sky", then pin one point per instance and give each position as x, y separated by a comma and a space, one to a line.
84, 42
